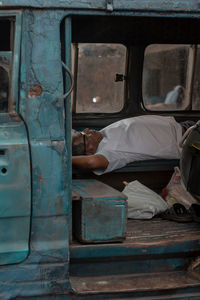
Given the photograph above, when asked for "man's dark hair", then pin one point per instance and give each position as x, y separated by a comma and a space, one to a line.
78, 149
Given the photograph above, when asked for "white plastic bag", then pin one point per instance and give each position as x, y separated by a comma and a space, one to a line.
143, 203
175, 191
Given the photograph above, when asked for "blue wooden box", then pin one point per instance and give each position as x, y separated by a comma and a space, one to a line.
99, 212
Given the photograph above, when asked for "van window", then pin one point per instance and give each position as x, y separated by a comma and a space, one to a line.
100, 77
6, 44
4, 88
170, 77
196, 82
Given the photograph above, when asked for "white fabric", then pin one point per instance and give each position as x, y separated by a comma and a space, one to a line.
139, 138
172, 96
143, 203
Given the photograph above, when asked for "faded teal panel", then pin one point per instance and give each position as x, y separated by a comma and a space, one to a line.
15, 190
103, 220
49, 237
101, 4
101, 214
45, 271
44, 114
44, 118
41, 65
59, 3
184, 8
14, 235
49, 178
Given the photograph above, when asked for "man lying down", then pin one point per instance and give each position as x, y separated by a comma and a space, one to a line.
133, 139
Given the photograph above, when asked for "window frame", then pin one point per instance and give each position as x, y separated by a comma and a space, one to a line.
14, 17
75, 66
191, 67
135, 44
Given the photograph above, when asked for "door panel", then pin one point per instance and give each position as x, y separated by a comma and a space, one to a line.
15, 190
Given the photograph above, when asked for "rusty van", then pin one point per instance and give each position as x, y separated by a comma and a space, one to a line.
64, 234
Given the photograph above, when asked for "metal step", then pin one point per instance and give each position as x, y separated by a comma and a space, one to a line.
136, 283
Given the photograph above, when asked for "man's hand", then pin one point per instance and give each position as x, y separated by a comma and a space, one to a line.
90, 162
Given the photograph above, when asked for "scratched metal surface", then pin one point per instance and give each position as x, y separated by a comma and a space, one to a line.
101, 215
46, 268
157, 5
15, 191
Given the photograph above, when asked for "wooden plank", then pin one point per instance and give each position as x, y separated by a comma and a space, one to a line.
145, 282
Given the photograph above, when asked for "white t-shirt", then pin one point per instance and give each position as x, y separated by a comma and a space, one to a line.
139, 138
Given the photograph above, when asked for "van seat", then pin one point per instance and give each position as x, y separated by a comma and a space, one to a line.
155, 174
150, 165
143, 166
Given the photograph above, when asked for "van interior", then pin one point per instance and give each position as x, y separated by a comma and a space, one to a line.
124, 67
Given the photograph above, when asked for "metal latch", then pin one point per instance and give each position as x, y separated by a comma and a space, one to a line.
109, 5
119, 77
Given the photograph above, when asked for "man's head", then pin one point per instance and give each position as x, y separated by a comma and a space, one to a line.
85, 142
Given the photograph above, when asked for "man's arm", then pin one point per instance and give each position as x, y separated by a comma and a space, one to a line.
90, 162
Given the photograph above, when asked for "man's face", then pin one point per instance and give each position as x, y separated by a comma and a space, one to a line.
90, 139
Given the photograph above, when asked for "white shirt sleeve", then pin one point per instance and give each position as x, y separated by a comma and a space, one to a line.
116, 160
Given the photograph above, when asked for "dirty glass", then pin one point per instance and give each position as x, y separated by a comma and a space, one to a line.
196, 82
5, 63
166, 77
4, 88
100, 78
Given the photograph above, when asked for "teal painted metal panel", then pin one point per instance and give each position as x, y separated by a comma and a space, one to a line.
49, 179
15, 190
14, 239
174, 5
95, 4
16, 59
46, 269
101, 214
41, 65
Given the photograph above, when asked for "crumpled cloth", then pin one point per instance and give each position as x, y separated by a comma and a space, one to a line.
143, 203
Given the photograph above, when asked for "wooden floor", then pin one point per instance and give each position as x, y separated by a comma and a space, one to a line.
154, 256
157, 229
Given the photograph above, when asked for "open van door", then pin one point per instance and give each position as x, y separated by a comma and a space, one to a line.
15, 178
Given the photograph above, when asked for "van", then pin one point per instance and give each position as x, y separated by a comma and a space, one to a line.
64, 233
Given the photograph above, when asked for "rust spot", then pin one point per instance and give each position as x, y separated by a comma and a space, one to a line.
35, 91
40, 179
59, 203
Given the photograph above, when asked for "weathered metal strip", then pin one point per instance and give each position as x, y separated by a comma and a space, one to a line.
175, 5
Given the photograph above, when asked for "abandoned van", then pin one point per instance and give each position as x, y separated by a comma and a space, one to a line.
65, 232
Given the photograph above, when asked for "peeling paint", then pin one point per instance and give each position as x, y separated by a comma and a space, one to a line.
35, 91
45, 271
59, 146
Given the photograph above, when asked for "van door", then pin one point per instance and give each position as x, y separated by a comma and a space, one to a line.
15, 179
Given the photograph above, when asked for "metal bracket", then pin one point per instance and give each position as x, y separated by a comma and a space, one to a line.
71, 79
109, 5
